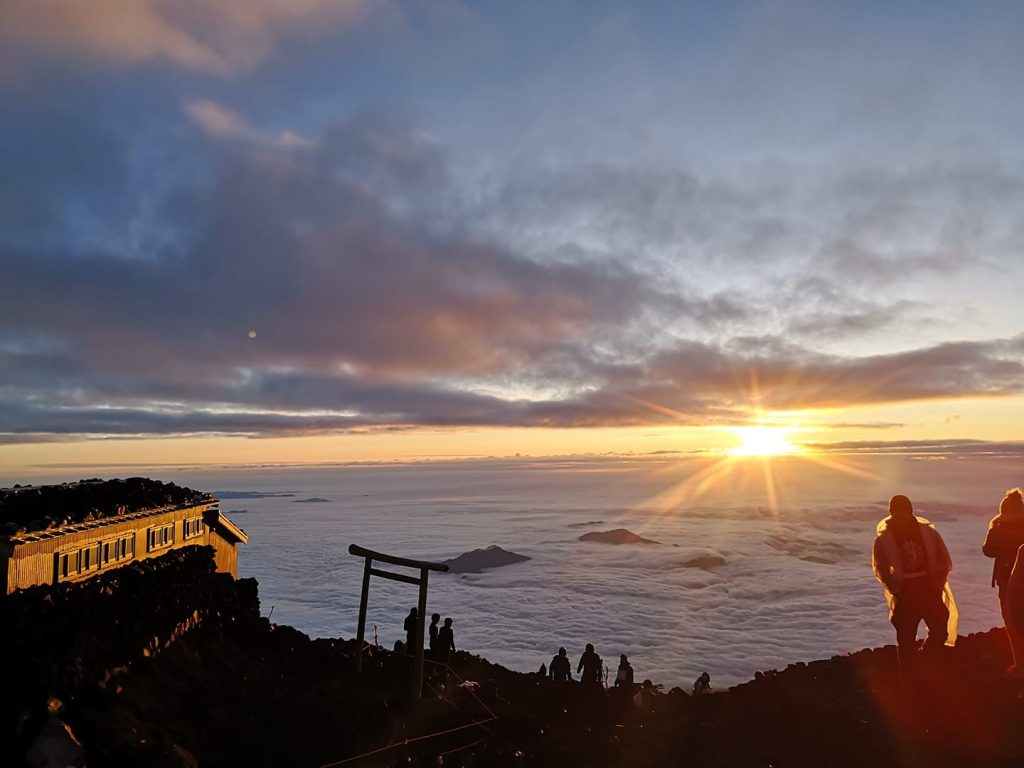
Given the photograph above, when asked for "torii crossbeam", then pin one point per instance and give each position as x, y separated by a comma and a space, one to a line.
424, 568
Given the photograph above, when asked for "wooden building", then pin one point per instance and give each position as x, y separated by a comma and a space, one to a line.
80, 550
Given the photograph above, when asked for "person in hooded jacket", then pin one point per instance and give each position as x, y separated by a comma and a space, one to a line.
590, 667
560, 670
410, 626
1005, 537
435, 618
912, 563
624, 676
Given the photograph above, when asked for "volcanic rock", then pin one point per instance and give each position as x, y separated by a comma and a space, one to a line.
481, 559
616, 536
705, 562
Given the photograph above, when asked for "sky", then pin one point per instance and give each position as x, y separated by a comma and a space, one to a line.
345, 230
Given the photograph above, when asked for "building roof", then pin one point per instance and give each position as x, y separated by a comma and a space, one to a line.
232, 530
37, 509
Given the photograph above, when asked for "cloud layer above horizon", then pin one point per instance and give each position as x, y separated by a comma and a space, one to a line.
274, 218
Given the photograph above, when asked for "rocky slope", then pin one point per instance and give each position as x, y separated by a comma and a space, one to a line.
237, 690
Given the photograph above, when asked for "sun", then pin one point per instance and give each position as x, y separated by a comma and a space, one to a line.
764, 441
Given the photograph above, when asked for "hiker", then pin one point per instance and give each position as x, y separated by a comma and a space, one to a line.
591, 665
411, 622
702, 685
624, 677
560, 669
643, 699
445, 642
435, 618
1005, 537
912, 563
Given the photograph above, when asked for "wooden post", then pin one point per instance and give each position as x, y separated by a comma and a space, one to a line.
368, 571
417, 677
363, 599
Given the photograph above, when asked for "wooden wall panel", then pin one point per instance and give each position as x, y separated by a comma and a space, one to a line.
35, 562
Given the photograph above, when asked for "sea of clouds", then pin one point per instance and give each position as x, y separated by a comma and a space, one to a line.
795, 584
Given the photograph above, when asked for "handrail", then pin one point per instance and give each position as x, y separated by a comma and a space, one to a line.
355, 549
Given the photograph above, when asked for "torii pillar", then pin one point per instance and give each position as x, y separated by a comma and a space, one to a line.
424, 568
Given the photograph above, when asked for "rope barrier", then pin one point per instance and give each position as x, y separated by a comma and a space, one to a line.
459, 749
475, 724
404, 742
469, 690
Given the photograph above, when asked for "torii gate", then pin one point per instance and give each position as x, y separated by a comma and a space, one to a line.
368, 570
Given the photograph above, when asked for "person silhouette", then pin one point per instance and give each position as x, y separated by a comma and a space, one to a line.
1005, 537
591, 666
410, 626
702, 685
643, 699
560, 670
445, 642
912, 564
434, 619
624, 677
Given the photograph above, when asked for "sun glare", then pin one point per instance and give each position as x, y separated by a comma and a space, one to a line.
763, 441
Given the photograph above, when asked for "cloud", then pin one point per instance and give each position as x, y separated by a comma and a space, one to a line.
217, 120
342, 282
212, 36
347, 296
822, 255
673, 622
222, 123
951, 449
788, 377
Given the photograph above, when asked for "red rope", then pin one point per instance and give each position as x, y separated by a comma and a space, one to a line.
459, 749
476, 723
409, 741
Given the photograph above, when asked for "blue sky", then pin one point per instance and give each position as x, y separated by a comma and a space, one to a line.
326, 218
